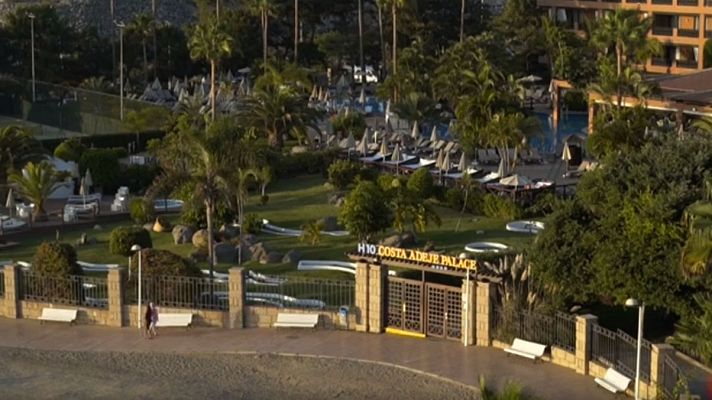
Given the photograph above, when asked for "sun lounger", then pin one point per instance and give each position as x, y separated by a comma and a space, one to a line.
285, 320
524, 348
613, 381
58, 315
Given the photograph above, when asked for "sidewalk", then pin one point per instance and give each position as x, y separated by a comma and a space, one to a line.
440, 357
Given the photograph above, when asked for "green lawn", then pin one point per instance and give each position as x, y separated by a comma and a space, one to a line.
292, 203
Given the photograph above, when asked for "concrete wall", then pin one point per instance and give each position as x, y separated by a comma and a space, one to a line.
264, 317
85, 315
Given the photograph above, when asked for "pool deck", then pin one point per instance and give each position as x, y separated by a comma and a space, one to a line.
447, 359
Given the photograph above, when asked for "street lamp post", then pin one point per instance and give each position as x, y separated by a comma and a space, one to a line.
641, 312
137, 249
31, 16
121, 27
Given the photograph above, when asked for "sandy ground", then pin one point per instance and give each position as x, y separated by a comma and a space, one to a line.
33, 374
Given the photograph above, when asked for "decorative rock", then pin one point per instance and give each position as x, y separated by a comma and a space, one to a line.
272, 257
228, 232
408, 239
224, 253
159, 227
200, 239
246, 254
199, 256
258, 250
429, 246
340, 202
399, 240
336, 198
249, 239
182, 234
91, 241
82, 240
292, 257
148, 226
97, 227
299, 149
329, 224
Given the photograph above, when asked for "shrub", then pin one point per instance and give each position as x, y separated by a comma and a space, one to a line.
290, 165
354, 123
123, 237
156, 262
342, 173
252, 224
193, 211
138, 177
55, 259
104, 166
575, 100
455, 198
500, 207
142, 211
421, 183
70, 150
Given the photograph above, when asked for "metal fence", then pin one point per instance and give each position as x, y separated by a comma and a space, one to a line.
180, 292
2, 283
618, 350
72, 290
298, 292
557, 330
673, 380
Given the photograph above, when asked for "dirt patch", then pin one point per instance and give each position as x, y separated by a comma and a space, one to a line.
35, 374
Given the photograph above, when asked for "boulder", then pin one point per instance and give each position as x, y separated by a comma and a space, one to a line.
148, 226
182, 234
336, 198
329, 224
82, 240
429, 246
97, 227
200, 239
408, 239
224, 253
161, 226
271, 257
199, 255
258, 250
299, 149
399, 240
393, 240
340, 202
228, 232
248, 239
292, 257
91, 241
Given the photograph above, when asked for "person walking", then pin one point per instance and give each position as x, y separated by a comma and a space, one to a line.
154, 320
147, 319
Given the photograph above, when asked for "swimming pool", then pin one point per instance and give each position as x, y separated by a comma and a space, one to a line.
552, 138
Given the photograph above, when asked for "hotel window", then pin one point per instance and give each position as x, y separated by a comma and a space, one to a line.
687, 25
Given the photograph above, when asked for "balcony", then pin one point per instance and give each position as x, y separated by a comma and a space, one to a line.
708, 34
662, 30
661, 62
688, 32
708, 3
693, 3
686, 64
662, 2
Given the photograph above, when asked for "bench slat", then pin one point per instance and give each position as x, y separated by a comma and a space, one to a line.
285, 320
176, 319
58, 315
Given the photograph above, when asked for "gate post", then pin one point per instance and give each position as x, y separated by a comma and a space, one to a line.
11, 274
115, 292
657, 357
482, 314
468, 312
236, 298
584, 325
361, 296
376, 297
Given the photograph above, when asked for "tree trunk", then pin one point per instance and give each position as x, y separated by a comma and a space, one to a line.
296, 31
240, 221
384, 56
209, 219
619, 70
360, 42
274, 138
212, 88
394, 10
462, 21
155, 52
145, 61
462, 212
265, 27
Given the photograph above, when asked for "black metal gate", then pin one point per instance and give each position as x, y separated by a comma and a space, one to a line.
429, 308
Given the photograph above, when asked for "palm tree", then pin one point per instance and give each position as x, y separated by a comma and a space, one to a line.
703, 124
239, 180
296, 31
263, 8
696, 255
381, 4
17, 147
311, 232
210, 43
694, 332
395, 6
144, 25
36, 183
462, 21
264, 177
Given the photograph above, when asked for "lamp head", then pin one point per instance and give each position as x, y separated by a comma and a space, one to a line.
135, 248
30, 15
631, 302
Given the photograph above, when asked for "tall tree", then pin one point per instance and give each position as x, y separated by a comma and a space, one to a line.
210, 43
17, 147
364, 212
265, 9
462, 21
144, 26
36, 182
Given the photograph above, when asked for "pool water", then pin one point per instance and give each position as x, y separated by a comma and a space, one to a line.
552, 138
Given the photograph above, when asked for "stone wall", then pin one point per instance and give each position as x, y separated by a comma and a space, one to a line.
85, 315
212, 318
264, 317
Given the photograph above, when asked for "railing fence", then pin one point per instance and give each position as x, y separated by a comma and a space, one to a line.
2, 283
673, 380
73, 290
557, 330
180, 292
618, 350
299, 292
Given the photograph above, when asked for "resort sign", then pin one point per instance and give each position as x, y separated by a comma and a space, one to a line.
433, 259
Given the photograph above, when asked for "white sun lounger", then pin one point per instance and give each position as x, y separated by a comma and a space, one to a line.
613, 381
525, 348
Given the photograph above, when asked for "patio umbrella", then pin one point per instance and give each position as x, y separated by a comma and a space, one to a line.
365, 132
434, 134
362, 97
350, 141
462, 165
501, 170
314, 93
87, 180
515, 180
75, 170
446, 162
384, 147
396, 156
566, 155
415, 133
363, 146
83, 190
439, 160
10, 202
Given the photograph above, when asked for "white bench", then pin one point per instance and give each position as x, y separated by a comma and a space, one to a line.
296, 320
526, 349
58, 315
166, 320
614, 381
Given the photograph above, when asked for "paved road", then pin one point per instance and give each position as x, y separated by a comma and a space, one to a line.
444, 358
